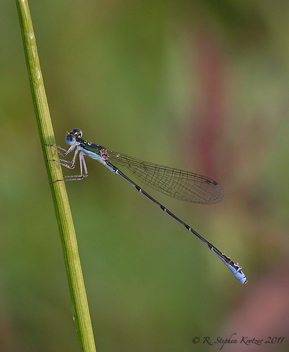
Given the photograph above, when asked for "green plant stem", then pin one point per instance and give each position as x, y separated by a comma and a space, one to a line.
59, 195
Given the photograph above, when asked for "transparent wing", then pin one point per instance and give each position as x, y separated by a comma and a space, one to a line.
175, 183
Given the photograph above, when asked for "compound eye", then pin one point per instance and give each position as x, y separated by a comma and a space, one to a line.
76, 132
70, 139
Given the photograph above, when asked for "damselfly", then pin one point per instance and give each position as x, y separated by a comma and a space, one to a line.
173, 182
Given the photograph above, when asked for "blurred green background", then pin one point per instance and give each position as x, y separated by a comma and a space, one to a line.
198, 85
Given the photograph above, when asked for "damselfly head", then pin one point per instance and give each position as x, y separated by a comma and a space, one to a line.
71, 137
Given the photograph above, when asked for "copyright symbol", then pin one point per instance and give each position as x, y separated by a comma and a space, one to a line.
196, 339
